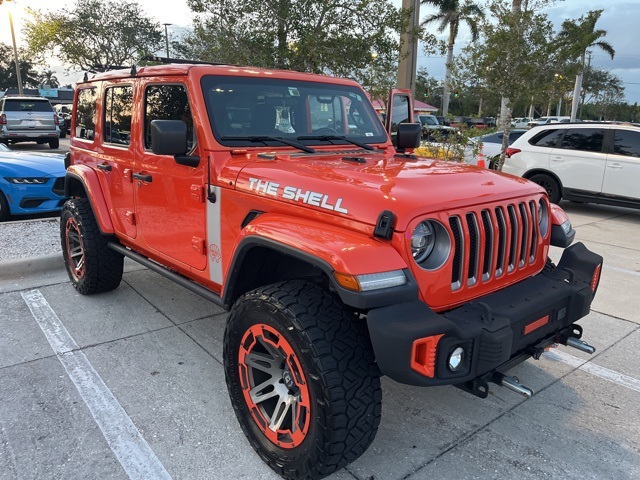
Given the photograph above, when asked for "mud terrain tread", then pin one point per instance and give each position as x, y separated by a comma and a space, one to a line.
340, 349
103, 266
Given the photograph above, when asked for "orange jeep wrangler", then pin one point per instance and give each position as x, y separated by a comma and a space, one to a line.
341, 256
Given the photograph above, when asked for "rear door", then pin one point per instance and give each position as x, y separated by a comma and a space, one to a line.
622, 173
579, 161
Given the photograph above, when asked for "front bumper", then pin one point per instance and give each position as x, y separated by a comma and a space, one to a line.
412, 343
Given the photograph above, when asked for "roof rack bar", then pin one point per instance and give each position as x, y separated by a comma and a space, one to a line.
151, 58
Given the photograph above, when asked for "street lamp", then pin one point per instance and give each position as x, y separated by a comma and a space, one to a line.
166, 36
374, 55
15, 51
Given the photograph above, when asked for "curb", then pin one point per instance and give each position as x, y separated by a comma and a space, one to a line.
33, 265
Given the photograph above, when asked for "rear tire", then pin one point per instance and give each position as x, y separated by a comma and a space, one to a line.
549, 184
63, 133
4, 208
54, 143
91, 265
297, 360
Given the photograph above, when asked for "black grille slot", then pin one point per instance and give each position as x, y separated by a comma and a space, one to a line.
58, 186
456, 271
474, 248
502, 241
534, 231
513, 237
488, 244
525, 234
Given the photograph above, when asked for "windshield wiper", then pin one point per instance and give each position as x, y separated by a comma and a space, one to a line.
267, 138
328, 138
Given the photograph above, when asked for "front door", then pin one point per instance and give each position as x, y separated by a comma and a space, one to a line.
170, 197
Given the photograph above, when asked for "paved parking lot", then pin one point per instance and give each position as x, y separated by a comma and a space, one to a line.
130, 384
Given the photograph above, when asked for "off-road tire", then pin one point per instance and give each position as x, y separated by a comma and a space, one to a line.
55, 143
91, 265
332, 347
4, 208
549, 184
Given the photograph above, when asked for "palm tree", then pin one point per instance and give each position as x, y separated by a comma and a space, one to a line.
578, 36
451, 13
48, 77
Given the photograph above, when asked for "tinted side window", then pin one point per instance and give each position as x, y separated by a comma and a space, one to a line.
513, 136
117, 115
86, 113
547, 138
585, 139
494, 138
399, 111
167, 102
627, 143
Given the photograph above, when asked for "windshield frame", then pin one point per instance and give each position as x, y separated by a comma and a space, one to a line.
223, 93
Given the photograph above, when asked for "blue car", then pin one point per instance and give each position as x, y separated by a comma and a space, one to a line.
30, 182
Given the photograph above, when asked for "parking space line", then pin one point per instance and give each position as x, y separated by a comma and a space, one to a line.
597, 370
130, 448
622, 270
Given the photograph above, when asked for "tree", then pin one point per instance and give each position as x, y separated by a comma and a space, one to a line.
577, 36
47, 77
516, 58
94, 34
319, 36
8, 77
450, 14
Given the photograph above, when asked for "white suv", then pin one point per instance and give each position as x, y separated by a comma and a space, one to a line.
585, 162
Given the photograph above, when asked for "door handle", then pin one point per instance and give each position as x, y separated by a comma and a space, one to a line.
557, 159
142, 176
104, 166
614, 165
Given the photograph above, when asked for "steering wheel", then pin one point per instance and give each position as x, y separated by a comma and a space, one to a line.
325, 131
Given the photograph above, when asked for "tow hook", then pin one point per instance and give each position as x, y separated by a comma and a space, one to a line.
511, 383
580, 345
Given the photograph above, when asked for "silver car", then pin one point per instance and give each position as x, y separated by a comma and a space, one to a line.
28, 119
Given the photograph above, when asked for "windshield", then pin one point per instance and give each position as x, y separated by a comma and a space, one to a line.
310, 113
428, 120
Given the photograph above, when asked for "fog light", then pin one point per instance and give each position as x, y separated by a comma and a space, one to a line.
455, 359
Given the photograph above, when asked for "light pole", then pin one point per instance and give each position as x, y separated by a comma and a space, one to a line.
15, 51
374, 55
166, 36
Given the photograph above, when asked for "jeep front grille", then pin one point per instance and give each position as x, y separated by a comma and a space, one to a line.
489, 242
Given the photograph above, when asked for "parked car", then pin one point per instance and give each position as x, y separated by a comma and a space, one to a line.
547, 120
591, 162
30, 182
491, 146
28, 119
521, 122
432, 131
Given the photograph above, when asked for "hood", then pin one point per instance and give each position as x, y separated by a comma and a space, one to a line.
27, 164
361, 189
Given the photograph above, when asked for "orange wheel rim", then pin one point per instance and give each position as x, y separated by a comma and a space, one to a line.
274, 386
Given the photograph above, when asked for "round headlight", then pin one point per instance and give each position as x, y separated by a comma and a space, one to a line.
422, 241
455, 358
543, 218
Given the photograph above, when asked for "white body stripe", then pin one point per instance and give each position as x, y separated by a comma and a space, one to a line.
214, 244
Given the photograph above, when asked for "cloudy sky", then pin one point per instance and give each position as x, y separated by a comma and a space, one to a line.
620, 19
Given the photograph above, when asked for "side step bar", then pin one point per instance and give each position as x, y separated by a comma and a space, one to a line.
164, 271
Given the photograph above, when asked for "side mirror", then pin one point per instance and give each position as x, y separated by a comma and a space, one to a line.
408, 135
168, 137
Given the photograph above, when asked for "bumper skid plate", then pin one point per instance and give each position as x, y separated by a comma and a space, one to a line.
495, 332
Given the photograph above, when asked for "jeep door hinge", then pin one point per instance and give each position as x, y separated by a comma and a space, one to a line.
199, 245
131, 217
197, 193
